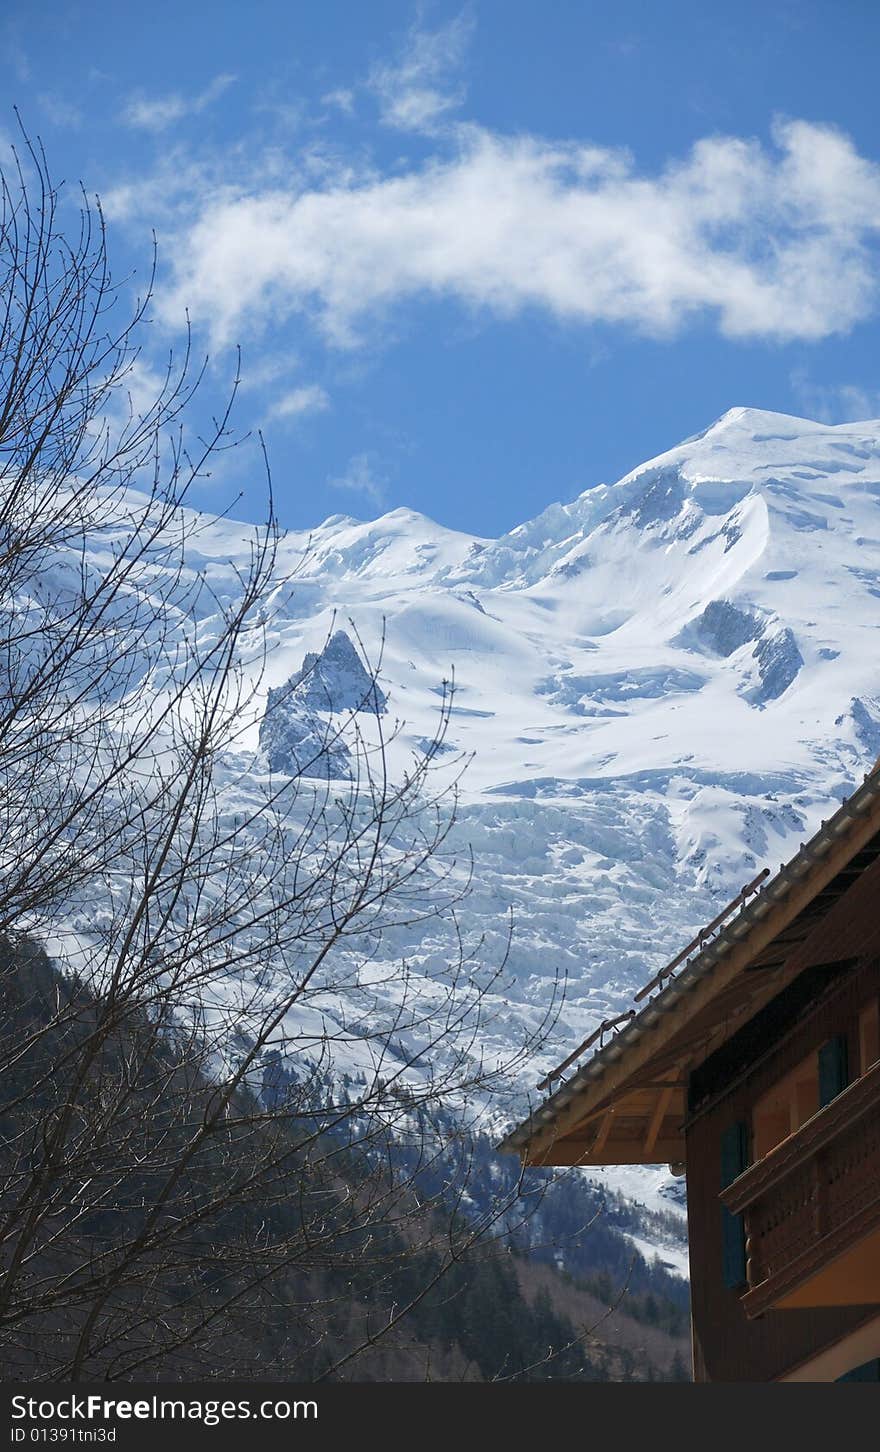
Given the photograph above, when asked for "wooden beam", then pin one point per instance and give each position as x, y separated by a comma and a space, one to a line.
663, 1101
579, 1152
604, 1131
661, 1084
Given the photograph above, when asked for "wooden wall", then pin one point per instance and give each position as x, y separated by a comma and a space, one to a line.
727, 1345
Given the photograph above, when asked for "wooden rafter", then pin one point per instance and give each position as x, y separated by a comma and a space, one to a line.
604, 1131
664, 1099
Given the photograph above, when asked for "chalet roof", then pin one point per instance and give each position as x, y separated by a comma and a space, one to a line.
627, 1103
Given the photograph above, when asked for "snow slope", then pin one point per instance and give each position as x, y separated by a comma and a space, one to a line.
664, 685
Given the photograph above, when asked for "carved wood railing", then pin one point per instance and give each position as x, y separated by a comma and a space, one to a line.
812, 1197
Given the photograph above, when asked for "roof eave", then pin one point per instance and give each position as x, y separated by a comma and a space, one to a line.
774, 891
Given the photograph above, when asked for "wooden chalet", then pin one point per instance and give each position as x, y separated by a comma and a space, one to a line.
752, 1064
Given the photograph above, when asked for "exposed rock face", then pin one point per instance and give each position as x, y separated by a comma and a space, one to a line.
298, 742
779, 661
723, 628
298, 733
867, 727
336, 679
662, 499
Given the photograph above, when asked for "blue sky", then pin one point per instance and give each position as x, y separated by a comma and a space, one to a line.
478, 258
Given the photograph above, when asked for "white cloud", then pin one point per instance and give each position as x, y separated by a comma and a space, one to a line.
309, 398
421, 85
158, 112
265, 369
773, 242
16, 54
341, 100
59, 111
835, 402
361, 477
144, 384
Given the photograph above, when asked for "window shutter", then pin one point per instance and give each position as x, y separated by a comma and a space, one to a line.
833, 1069
734, 1159
868, 1371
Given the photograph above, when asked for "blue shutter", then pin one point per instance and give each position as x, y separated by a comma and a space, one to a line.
833, 1069
868, 1371
734, 1159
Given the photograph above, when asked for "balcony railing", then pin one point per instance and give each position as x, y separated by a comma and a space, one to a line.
812, 1198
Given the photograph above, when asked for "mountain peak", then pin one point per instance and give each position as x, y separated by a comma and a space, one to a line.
659, 686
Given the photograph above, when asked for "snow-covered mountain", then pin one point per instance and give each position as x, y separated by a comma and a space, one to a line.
664, 684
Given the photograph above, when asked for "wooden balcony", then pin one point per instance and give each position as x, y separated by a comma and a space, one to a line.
811, 1208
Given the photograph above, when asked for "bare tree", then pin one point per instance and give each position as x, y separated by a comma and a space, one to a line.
236, 1128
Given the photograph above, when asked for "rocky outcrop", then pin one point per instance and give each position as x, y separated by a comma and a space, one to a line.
723, 628
336, 679
298, 733
299, 742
